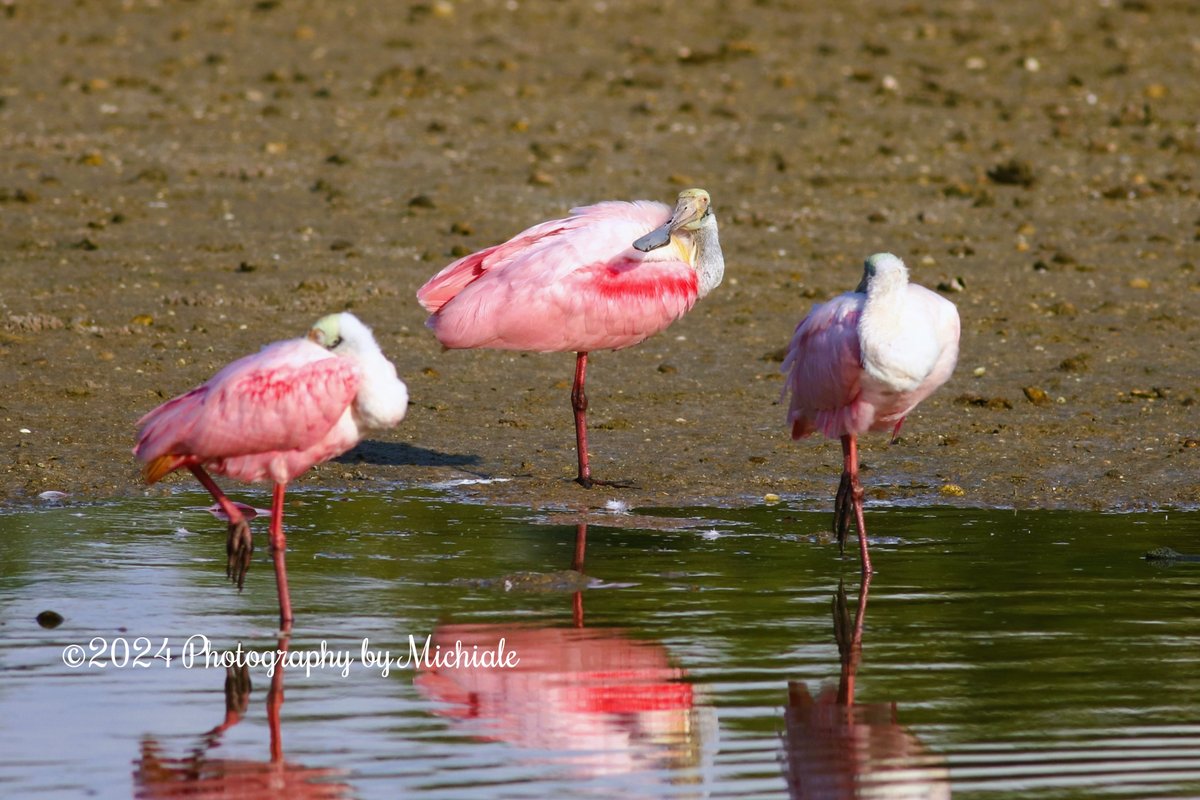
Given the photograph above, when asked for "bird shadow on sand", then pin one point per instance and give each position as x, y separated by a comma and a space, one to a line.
395, 454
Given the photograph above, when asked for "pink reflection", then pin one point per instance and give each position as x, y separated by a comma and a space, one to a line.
604, 702
199, 775
837, 748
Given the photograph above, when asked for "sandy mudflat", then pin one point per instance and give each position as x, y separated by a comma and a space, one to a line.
181, 183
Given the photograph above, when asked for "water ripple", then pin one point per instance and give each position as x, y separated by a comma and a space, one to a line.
993, 655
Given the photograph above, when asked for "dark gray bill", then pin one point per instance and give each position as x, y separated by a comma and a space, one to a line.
659, 237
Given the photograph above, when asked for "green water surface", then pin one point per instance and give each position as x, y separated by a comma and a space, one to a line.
1001, 654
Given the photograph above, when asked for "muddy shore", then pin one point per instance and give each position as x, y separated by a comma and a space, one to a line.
181, 183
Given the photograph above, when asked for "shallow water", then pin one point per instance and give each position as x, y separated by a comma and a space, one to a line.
999, 654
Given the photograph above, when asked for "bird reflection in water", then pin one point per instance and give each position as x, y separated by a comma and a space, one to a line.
200, 775
837, 748
606, 703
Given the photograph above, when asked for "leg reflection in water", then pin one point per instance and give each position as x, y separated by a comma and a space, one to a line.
201, 775
836, 747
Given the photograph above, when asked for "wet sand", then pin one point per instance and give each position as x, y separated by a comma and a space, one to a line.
181, 183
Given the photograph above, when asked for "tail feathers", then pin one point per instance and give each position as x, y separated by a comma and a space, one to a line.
443, 287
156, 469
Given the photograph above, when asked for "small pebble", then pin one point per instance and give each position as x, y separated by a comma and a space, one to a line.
1013, 172
952, 490
421, 201
1036, 396
771, 497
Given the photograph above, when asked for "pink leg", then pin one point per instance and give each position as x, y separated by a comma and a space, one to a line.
849, 503
896, 430
239, 545
278, 548
579, 404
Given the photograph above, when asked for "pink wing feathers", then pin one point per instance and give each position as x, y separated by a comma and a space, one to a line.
286, 397
823, 367
570, 284
445, 286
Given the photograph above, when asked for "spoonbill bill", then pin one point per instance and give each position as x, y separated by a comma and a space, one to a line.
272, 416
606, 277
862, 362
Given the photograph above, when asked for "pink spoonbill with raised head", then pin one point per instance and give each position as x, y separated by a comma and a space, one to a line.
272, 416
862, 362
606, 277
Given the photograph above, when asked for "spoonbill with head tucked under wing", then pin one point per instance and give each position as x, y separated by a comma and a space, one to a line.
861, 362
272, 416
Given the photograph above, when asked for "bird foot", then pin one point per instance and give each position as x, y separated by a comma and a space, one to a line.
843, 511
238, 547
588, 483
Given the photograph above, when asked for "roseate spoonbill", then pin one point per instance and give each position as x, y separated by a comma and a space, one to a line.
606, 277
862, 362
271, 416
